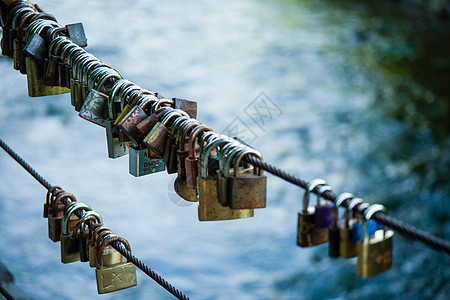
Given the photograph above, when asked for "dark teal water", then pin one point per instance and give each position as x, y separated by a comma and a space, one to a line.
363, 95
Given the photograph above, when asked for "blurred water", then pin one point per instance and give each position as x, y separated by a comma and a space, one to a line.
363, 92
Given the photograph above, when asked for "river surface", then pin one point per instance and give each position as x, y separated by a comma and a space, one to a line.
358, 94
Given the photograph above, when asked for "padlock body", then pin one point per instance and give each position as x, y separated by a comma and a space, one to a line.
347, 248
69, 249
94, 107
115, 278
333, 235
375, 254
35, 81
307, 233
116, 148
140, 164
248, 191
324, 215
83, 247
129, 122
109, 256
190, 107
156, 139
223, 191
209, 208
181, 188
191, 172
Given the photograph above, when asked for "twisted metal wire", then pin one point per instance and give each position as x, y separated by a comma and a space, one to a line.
5, 293
142, 266
401, 227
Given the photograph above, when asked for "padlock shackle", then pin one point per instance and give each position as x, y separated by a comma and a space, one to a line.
322, 189
338, 203
56, 43
247, 152
87, 216
51, 194
184, 130
176, 124
216, 141
193, 136
85, 66
68, 214
59, 198
14, 15
17, 19
227, 154
157, 104
311, 186
106, 241
93, 229
25, 21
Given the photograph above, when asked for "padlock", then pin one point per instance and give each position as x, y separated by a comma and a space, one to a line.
144, 127
347, 248
307, 233
111, 278
209, 208
356, 206
183, 135
227, 154
51, 63
56, 215
110, 256
116, 103
94, 108
50, 197
140, 164
324, 210
70, 251
191, 162
76, 34
334, 231
116, 148
156, 138
188, 106
19, 41
128, 94
170, 153
136, 115
247, 190
9, 30
83, 65
374, 253
80, 232
68, 54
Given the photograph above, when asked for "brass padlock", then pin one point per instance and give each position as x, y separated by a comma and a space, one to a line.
110, 256
247, 190
374, 253
156, 138
111, 278
209, 208
95, 106
347, 247
56, 215
334, 230
70, 251
80, 232
191, 162
307, 233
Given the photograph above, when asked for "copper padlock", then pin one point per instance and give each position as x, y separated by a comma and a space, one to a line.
191, 162
56, 215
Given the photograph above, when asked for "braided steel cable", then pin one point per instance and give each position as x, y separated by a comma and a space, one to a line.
142, 266
401, 227
5, 293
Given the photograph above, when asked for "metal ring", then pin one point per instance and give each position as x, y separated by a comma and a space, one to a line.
342, 197
372, 209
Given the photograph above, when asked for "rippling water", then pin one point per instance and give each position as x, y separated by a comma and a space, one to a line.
363, 96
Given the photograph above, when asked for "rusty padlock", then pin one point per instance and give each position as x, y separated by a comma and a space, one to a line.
191, 162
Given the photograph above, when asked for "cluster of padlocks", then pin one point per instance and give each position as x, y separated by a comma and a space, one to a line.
355, 235
158, 133
86, 239
162, 134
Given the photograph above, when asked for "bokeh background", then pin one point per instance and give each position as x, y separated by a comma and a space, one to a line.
363, 92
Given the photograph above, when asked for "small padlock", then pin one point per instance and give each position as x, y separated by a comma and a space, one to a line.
209, 208
94, 108
51, 63
140, 164
191, 162
307, 233
347, 247
9, 30
170, 153
80, 232
51, 194
374, 253
324, 210
76, 34
116, 148
247, 190
70, 251
111, 278
156, 138
19, 41
110, 256
56, 215
334, 231
190, 107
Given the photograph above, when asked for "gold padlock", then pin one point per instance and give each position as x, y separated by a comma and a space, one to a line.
191, 162
347, 247
114, 277
209, 208
110, 255
80, 232
70, 245
56, 215
374, 253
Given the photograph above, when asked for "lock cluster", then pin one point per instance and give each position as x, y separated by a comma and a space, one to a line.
157, 133
354, 235
83, 237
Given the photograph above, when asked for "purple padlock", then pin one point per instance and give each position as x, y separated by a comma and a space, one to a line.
324, 211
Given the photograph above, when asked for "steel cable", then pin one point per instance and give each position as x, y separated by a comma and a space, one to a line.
142, 266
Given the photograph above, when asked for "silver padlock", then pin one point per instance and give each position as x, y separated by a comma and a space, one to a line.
140, 164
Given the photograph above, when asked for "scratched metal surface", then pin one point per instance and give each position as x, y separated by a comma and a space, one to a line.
327, 110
